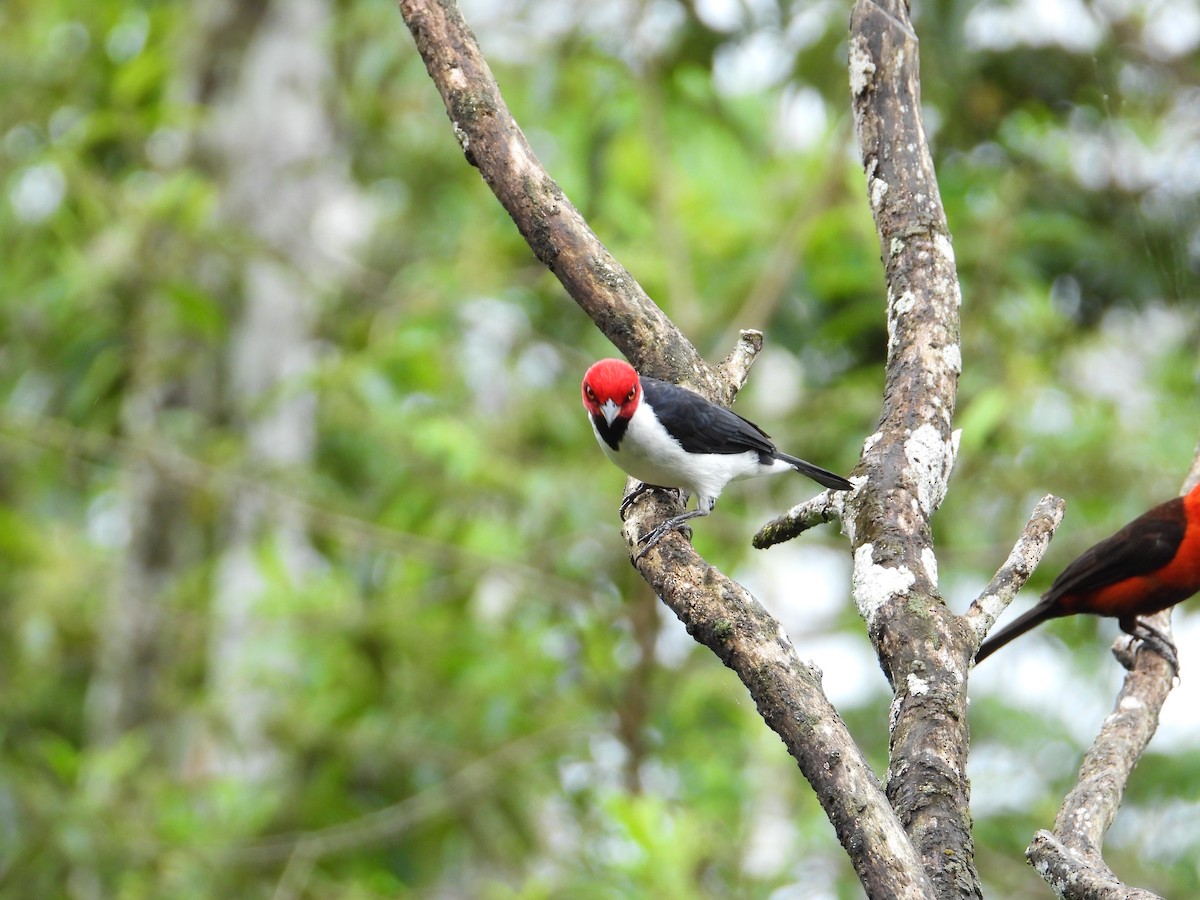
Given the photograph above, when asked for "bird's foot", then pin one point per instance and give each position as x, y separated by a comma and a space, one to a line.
628, 500
1145, 636
651, 538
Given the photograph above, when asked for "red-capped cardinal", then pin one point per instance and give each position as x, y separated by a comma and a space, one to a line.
669, 437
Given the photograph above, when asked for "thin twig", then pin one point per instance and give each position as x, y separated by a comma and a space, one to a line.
825, 507
1024, 558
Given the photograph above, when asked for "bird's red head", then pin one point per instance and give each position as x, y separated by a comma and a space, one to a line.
611, 389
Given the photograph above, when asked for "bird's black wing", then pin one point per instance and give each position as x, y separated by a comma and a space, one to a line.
1147, 543
700, 426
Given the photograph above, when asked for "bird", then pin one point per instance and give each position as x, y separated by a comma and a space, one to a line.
669, 437
1148, 565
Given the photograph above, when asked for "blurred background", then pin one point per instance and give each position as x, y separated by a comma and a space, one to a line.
311, 580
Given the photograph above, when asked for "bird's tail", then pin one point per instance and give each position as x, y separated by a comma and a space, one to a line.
816, 473
1023, 623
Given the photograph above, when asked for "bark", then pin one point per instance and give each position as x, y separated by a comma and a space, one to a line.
715, 609
721, 614
1070, 858
923, 647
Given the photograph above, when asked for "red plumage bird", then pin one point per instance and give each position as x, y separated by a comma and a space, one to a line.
1150, 564
669, 437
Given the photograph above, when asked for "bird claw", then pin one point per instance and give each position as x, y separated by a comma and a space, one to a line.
628, 500
1166, 650
1148, 638
651, 538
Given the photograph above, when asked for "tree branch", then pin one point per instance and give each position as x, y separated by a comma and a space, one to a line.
1024, 558
1070, 859
550, 224
1071, 876
721, 614
823, 508
923, 647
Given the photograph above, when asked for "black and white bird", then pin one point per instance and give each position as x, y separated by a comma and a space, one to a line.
669, 437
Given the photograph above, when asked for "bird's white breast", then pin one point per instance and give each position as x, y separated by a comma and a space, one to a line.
649, 453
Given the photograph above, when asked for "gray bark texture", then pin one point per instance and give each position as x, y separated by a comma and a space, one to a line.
923, 647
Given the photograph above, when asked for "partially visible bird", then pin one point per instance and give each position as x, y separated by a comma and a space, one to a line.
669, 437
1150, 564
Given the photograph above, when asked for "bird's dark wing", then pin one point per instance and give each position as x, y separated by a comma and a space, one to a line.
700, 426
1147, 543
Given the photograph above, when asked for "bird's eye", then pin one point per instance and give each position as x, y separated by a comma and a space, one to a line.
632, 392
587, 389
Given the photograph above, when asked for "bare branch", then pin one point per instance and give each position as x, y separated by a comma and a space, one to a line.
735, 368
923, 647
1072, 855
1071, 876
552, 226
721, 614
1024, 558
825, 507
1089, 810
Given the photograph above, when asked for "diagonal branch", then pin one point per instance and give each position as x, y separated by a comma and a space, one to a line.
1070, 859
1024, 558
725, 617
550, 224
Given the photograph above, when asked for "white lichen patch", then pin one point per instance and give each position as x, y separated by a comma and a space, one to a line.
952, 357
917, 686
1128, 704
862, 67
873, 585
929, 563
464, 139
878, 190
871, 441
785, 641
456, 78
930, 458
941, 243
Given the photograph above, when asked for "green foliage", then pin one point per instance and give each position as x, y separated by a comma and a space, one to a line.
481, 697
